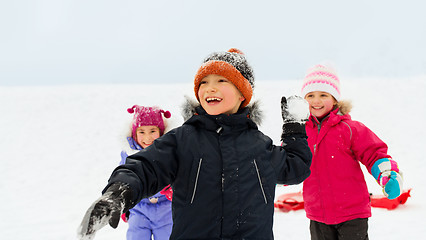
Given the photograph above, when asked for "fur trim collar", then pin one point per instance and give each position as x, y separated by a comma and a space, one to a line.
344, 107
189, 106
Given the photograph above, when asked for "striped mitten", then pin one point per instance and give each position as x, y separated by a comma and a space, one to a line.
387, 174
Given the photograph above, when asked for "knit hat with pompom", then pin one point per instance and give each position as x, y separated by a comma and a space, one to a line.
233, 66
148, 116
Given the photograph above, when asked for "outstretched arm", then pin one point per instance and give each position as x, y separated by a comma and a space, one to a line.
106, 209
144, 174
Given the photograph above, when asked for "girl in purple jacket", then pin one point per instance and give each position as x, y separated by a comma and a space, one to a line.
151, 216
336, 196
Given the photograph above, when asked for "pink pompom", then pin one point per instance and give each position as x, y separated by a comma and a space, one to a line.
131, 110
167, 114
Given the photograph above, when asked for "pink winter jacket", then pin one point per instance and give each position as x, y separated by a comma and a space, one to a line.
336, 191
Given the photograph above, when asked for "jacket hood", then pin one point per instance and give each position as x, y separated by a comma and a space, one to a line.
344, 106
343, 109
190, 106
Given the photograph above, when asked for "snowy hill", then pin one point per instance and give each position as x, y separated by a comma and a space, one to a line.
58, 146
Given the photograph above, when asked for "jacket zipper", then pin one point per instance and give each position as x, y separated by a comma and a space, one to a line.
319, 129
196, 180
260, 182
315, 149
315, 145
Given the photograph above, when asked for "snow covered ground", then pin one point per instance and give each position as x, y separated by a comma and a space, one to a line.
58, 146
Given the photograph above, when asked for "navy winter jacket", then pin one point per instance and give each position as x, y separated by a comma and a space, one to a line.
223, 171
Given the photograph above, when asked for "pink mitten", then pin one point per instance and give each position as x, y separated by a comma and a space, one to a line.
125, 216
168, 192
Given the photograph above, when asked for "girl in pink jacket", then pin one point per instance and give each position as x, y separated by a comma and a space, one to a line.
336, 196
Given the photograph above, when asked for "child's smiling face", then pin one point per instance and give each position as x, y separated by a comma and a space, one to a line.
320, 103
145, 135
219, 95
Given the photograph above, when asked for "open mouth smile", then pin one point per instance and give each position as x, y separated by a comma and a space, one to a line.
213, 100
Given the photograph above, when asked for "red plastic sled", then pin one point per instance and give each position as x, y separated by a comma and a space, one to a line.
294, 201
381, 201
290, 201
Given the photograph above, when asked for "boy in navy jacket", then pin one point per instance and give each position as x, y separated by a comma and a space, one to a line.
222, 169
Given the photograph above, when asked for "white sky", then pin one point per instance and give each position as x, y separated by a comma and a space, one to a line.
51, 42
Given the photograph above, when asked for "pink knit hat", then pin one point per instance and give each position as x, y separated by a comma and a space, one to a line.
321, 78
148, 116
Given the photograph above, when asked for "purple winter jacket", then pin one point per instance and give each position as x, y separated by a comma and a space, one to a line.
143, 205
336, 190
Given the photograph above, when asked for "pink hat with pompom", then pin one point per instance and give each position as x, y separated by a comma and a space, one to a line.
148, 116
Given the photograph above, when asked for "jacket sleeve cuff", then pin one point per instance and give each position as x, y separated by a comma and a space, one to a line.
292, 129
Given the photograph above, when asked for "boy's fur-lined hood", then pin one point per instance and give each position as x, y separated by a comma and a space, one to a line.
344, 106
189, 106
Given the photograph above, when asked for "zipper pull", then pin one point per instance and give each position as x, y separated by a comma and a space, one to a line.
219, 130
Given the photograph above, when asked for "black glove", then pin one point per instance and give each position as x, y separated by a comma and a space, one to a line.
107, 209
295, 113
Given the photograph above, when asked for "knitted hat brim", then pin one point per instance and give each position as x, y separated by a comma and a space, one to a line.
228, 71
321, 87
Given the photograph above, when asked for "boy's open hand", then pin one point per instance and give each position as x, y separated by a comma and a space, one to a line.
106, 209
